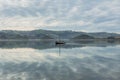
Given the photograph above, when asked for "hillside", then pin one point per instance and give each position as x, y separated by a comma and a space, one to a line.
47, 34
84, 36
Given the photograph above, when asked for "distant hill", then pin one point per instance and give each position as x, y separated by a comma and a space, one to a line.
84, 36
47, 34
24, 35
104, 34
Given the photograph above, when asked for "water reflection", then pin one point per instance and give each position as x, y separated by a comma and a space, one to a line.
76, 61
51, 44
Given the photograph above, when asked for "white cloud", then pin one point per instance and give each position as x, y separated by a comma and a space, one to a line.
15, 3
87, 15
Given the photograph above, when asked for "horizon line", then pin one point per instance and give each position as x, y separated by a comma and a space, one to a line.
62, 30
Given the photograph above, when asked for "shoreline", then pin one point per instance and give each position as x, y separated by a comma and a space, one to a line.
97, 39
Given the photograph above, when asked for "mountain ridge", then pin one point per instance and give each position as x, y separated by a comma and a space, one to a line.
49, 34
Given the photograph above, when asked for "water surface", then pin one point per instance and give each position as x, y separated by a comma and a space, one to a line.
47, 61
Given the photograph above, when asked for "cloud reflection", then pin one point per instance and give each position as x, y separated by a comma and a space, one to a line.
89, 63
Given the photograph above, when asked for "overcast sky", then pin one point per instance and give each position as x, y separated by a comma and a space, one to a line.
79, 15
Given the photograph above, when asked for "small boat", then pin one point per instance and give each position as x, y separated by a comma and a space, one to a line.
59, 42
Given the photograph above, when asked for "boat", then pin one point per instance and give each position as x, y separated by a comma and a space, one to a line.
59, 42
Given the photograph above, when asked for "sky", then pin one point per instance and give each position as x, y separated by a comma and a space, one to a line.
76, 15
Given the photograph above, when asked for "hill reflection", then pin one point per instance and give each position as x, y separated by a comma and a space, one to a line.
51, 44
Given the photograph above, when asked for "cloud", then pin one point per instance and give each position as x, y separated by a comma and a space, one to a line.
14, 3
47, 14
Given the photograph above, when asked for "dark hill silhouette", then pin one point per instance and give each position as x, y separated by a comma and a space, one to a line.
47, 34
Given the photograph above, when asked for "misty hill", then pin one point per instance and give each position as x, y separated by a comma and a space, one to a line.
84, 36
24, 35
47, 34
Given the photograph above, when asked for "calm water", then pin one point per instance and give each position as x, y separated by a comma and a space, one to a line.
47, 61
